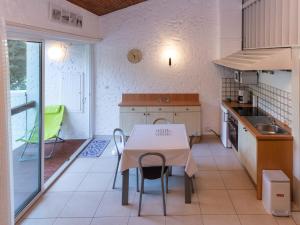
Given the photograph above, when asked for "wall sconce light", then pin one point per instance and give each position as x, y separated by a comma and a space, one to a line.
57, 52
170, 54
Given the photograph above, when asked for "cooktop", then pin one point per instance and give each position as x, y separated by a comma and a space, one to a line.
249, 111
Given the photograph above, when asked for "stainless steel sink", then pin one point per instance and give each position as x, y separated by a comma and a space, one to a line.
270, 129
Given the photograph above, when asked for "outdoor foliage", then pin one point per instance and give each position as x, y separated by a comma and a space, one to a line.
17, 64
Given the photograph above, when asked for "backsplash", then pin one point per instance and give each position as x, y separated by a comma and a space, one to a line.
272, 100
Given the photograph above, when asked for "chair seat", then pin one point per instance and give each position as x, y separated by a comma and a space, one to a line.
153, 172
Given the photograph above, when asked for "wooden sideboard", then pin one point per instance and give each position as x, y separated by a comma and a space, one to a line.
146, 108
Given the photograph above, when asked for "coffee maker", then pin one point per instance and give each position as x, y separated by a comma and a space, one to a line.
243, 97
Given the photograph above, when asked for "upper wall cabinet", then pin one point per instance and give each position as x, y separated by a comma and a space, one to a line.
271, 23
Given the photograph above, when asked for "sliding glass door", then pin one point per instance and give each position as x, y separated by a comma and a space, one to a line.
25, 64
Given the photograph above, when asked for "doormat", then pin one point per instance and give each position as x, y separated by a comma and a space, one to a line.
95, 148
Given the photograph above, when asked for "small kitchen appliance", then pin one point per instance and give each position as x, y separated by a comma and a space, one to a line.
243, 97
276, 193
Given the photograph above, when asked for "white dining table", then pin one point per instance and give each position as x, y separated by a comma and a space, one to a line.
171, 140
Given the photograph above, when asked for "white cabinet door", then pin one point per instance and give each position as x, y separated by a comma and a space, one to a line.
191, 121
248, 151
129, 119
152, 116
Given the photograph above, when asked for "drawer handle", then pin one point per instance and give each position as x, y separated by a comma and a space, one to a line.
159, 109
245, 129
187, 109
175, 114
132, 109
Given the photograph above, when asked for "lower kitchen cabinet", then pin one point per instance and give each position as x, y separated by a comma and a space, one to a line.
247, 146
152, 116
188, 115
191, 121
129, 119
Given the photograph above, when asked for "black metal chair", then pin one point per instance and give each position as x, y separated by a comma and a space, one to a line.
119, 133
161, 121
152, 173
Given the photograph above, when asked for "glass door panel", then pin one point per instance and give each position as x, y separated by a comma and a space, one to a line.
25, 93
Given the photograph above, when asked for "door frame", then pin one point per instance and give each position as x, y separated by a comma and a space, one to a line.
41, 121
27, 35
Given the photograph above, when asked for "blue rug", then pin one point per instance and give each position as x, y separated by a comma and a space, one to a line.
95, 148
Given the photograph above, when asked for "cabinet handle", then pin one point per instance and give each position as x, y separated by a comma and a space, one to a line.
245, 129
159, 109
187, 109
132, 109
144, 114
175, 114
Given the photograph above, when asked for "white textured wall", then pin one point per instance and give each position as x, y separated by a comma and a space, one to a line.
36, 13
75, 61
192, 27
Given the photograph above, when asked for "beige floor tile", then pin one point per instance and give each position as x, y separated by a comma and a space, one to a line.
148, 201
111, 205
184, 220
104, 165
81, 165
296, 217
228, 163
285, 221
218, 149
118, 186
257, 219
37, 222
245, 202
176, 204
147, 220
206, 163
82, 204
215, 202
50, 205
68, 182
110, 221
209, 180
96, 182
221, 220
201, 150
238, 179
73, 221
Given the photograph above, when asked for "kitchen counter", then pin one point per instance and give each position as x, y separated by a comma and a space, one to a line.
252, 129
258, 152
159, 100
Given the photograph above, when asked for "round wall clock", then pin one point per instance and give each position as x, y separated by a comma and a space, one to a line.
134, 56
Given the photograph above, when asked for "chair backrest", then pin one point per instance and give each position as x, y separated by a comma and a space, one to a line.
153, 172
119, 139
161, 121
54, 116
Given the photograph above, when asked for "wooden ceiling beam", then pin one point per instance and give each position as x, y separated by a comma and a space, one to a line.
102, 7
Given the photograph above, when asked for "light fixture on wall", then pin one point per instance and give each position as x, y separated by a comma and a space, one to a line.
57, 52
170, 54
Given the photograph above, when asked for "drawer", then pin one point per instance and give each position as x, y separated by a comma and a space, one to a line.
160, 109
187, 109
133, 109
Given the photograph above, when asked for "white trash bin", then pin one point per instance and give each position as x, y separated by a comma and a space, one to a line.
276, 193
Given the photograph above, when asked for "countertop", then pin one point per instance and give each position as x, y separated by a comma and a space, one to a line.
159, 99
252, 129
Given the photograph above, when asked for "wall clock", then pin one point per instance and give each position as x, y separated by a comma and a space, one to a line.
134, 56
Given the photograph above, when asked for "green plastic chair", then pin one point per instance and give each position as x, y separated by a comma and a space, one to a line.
53, 119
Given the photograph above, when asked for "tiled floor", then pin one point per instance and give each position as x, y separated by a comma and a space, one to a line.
224, 195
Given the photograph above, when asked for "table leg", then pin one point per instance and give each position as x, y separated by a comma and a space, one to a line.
188, 189
125, 183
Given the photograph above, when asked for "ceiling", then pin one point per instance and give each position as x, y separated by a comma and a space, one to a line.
102, 7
